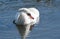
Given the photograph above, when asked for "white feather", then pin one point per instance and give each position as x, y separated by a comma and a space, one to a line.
23, 19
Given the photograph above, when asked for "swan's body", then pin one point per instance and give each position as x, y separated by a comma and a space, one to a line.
25, 20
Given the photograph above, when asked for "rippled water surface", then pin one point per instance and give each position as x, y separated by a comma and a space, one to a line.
48, 27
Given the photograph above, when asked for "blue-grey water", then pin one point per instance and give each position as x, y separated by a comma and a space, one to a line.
48, 27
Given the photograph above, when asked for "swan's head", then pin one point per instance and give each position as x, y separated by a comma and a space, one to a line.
27, 16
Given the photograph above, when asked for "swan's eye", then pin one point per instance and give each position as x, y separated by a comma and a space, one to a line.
28, 14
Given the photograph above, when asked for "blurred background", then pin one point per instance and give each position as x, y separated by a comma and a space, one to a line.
48, 27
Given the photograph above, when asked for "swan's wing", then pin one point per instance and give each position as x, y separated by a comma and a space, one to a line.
17, 15
37, 20
16, 18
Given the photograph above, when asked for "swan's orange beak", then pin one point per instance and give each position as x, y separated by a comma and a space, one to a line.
31, 17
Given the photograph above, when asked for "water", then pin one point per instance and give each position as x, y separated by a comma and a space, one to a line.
48, 27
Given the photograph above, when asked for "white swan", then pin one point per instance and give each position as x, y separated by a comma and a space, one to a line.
25, 20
